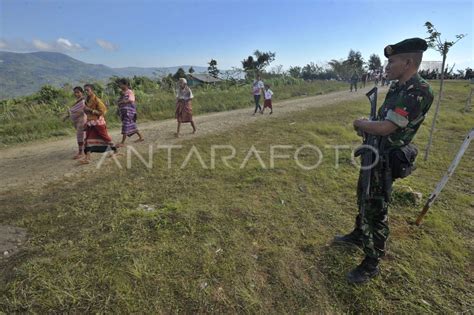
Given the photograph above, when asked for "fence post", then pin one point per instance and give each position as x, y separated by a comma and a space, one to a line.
468, 102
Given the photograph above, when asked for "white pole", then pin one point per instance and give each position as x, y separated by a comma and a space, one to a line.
448, 174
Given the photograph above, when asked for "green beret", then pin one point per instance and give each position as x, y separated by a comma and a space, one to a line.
410, 45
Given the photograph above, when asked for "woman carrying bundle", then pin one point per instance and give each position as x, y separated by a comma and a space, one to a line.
128, 112
79, 118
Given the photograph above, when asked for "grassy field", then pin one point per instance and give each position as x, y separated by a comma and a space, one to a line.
252, 240
26, 119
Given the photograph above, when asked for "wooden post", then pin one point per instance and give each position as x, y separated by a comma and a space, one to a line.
427, 152
448, 174
468, 102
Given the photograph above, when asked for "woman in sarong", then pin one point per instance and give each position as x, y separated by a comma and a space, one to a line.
78, 117
97, 137
184, 109
128, 112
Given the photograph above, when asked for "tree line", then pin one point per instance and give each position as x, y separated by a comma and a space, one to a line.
335, 69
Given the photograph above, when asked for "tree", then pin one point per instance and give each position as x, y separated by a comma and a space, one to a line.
311, 71
354, 61
277, 70
308, 71
435, 42
168, 82
255, 65
112, 87
460, 74
48, 94
374, 62
340, 68
191, 70
343, 69
142, 83
469, 74
212, 69
67, 87
179, 74
295, 72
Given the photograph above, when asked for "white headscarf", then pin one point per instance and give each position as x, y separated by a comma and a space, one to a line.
184, 93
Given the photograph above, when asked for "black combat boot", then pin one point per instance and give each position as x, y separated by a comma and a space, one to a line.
367, 269
353, 238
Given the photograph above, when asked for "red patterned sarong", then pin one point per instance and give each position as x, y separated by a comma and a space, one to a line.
184, 111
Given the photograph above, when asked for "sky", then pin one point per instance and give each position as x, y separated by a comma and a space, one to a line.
147, 33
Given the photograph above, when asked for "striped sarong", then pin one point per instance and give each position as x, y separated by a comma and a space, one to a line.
79, 118
79, 121
128, 115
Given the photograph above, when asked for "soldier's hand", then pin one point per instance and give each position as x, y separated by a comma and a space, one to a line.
357, 122
356, 125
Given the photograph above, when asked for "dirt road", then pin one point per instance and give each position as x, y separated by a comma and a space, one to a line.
30, 166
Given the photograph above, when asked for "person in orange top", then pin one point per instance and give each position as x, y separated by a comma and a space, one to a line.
97, 137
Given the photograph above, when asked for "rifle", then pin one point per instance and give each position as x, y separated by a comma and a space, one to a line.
368, 150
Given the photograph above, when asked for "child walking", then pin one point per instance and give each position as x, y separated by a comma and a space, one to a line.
268, 99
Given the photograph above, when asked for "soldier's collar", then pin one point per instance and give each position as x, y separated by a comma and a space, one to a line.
415, 78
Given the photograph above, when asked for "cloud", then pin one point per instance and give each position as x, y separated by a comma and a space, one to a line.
106, 45
67, 45
16, 45
59, 45
40, 45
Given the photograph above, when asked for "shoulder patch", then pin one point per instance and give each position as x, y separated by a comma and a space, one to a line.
401, 111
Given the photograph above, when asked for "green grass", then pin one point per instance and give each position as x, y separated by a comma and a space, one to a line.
23, 120
252, 240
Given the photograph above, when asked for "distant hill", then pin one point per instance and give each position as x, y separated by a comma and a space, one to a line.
155, 72
25, 73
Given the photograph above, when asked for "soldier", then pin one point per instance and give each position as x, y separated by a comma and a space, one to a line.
363, 80
403, 111
354, 80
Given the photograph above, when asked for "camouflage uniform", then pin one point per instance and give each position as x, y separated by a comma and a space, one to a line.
405, 105
354, 80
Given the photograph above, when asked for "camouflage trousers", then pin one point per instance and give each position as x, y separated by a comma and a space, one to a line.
373, 227
354, 84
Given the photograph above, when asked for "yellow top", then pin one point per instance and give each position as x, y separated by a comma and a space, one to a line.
94, 108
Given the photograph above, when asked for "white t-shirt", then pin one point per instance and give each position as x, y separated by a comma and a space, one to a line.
257, 87
268, 94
